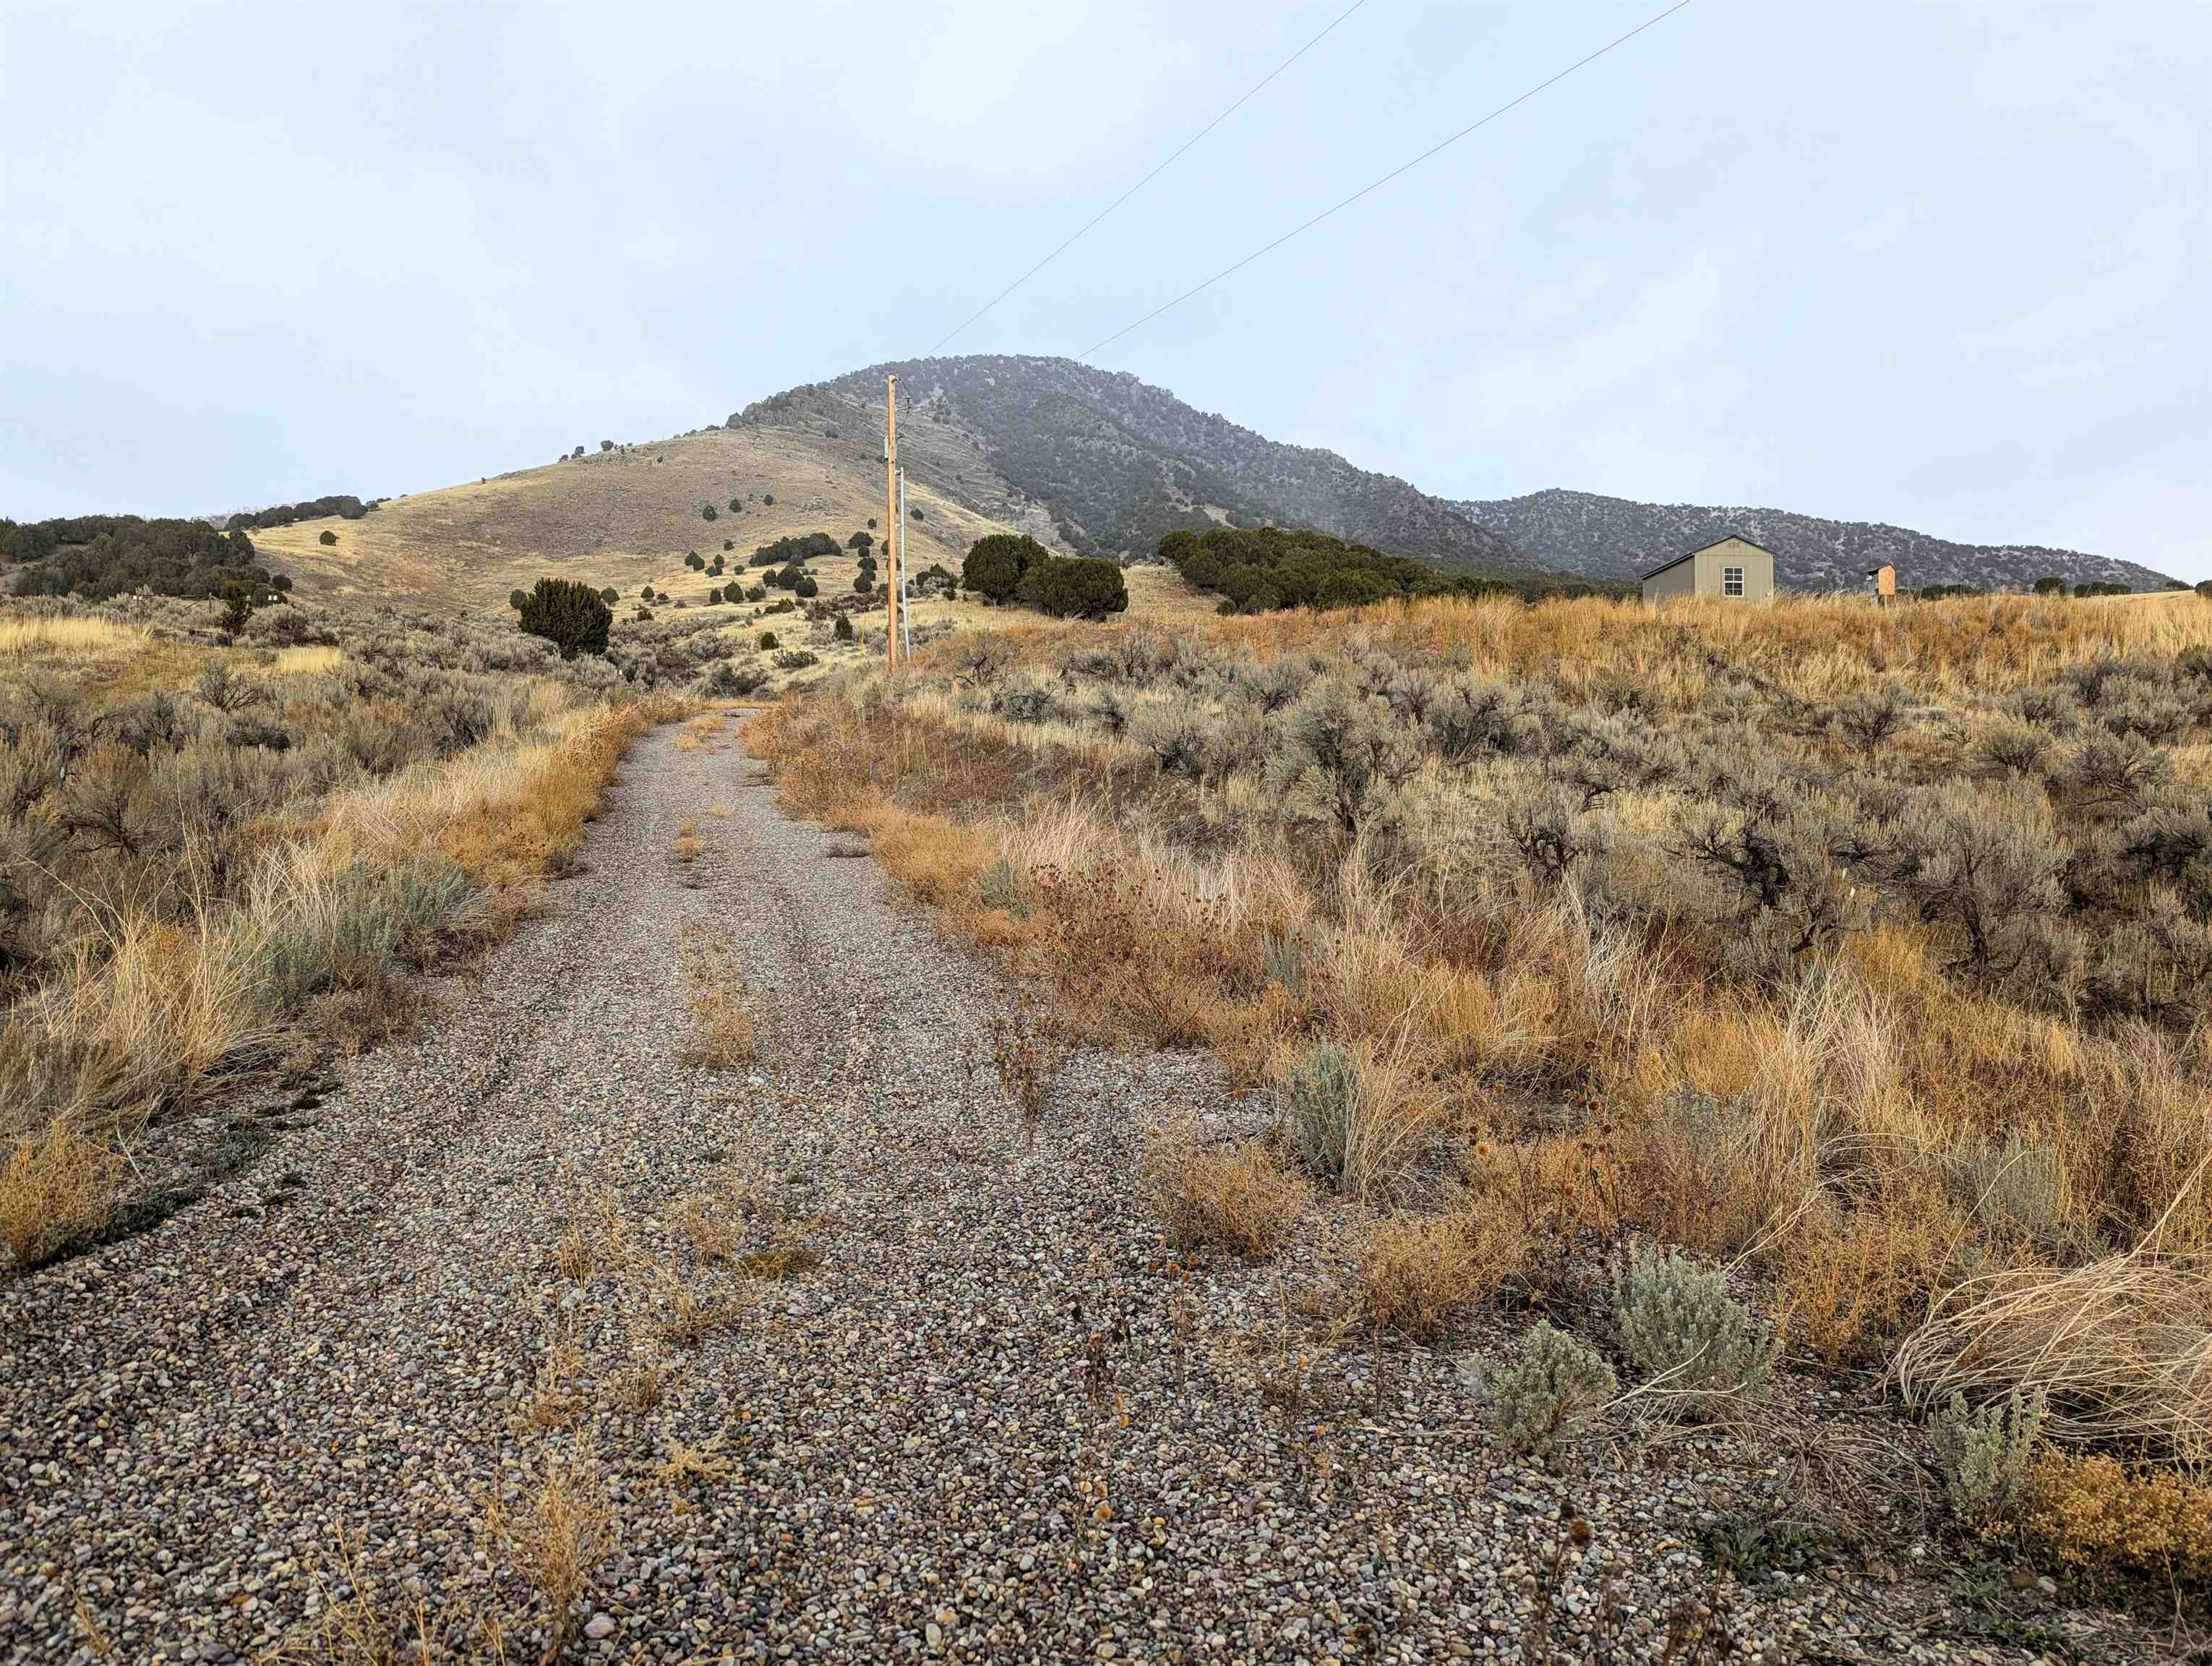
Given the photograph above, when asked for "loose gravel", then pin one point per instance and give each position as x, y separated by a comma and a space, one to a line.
997, 1421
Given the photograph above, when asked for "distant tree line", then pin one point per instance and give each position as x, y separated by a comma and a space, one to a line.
97, 557
343, 504
1261, 569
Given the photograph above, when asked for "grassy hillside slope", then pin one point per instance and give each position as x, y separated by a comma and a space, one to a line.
624, 518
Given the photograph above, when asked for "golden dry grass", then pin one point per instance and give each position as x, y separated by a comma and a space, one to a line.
1232, 1195
2123, 1346
1413, 1272
724, 1032
309, 660
22, 638
56, 1183
1867, 1130
620, 521
2093, 1510
557, 1538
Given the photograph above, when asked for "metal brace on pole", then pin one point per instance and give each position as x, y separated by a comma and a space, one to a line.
891, 509
906, 619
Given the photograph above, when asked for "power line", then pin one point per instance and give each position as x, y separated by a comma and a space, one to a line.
1147, 180
1441, 145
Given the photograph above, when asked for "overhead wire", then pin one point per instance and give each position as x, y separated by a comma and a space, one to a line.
1377, 184
1161, 168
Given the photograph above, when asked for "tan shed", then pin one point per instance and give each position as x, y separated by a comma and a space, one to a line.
1734, 569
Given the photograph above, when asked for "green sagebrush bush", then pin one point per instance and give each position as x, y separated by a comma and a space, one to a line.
347, 932
1323, 1099
1985, 1456
1680, 1327
1534, 1403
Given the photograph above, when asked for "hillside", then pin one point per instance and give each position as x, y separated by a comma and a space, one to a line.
624, 518
1614, 538
1118, 463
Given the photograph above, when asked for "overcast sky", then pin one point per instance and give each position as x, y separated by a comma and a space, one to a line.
1943, 265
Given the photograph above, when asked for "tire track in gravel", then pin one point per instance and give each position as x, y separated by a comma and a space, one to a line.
928, 1454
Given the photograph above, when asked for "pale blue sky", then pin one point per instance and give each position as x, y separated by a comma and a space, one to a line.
1941, 264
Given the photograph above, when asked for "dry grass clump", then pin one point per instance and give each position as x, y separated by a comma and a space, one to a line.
358, 1624
689, 1468
2093, 1510
557, 1538
81, 634
2122, 1347
57, 1184
688, 1316
717, 1219
1230, 1196
701, 731
724, 1031
1412, 1271
556, 1402
1029, 1054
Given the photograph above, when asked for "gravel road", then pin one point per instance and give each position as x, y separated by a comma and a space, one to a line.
994, 1422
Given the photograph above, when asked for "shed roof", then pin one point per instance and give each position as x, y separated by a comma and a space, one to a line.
1701, 549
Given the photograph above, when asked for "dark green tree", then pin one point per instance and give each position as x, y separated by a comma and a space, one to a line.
805, 586
995, 564
237, 606
862, 541
2051, 585
1078, 587
516, 597
707, 512
568, 615
610, 596
327, 538
691, 560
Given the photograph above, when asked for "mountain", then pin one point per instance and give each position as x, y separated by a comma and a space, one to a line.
1114, 463
1613, 537
1087, 461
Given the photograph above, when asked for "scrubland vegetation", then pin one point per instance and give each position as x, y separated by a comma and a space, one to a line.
1592, 952
97, 557
1264, 569
219, 857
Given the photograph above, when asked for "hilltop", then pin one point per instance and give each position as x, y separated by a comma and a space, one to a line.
624, 517
1615, 538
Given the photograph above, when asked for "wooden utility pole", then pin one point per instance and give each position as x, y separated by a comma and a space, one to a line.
890, 519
